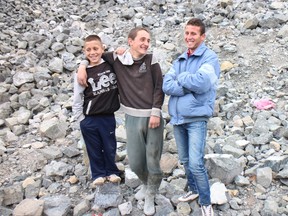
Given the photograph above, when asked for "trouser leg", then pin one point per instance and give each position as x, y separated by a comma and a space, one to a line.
144, 148
197, 132
107, 133
89, 129
182, 141
154, 149
136, 147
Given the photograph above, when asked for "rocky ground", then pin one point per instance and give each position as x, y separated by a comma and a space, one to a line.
43, 170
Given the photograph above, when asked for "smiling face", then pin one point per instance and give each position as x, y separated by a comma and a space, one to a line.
139, 44
93, 51
193, 37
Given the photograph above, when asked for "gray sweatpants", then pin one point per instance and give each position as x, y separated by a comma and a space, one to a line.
144, 148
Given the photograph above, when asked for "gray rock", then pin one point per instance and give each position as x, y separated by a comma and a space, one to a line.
131, 178
283, 173
168, 163
57, 46
53, 128
81, 208
218, 193
57, 168
12, 195
56, 65
149, 21
269, 22
251, 23
264, 176
125, 208
71, 151
21, 78
183, 208
32, 190
270, 207
283, 31
29, 207
107, 195
224, 167
128, 14
41, 48
56, 205
6, 211
51, 152
69, 61
276, 163
236, 152
241, 181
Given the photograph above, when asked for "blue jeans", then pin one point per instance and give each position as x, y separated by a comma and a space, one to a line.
191, 141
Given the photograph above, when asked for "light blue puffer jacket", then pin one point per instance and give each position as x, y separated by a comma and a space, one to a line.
192, 83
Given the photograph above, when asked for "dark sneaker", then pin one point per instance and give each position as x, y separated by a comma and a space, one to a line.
207, 210
188, 197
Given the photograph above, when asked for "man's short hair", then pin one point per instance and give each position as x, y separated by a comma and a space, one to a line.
197, 22
92, 38
133, 32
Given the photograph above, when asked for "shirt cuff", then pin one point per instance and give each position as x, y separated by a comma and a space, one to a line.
84, 62
156, 112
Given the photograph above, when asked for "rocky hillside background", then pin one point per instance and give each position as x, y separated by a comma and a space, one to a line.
43, 170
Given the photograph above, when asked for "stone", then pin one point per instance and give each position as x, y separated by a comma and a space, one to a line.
107, 195
218, 193
168, 163
12, 195
41, 48
125, 208
131, 179
81, 208
21, 78
224, 167
56, 205
29, 207
226, 66
264, 176
53, 128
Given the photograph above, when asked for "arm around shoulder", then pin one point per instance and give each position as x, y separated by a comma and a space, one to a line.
77, 106
82, 74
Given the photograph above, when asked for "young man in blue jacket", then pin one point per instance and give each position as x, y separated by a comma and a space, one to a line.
191, 84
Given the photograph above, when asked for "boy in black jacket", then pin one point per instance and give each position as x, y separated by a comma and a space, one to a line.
94, 107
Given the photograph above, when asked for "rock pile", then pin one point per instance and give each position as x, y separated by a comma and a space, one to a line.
41, 157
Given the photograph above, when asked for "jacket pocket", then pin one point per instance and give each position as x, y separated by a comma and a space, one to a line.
187, 104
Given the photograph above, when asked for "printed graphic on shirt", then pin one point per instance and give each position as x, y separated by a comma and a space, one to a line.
143, 68
106, 82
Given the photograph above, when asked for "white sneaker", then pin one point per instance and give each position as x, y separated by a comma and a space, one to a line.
99, 181
113, 178
188, 197
207, 210
140, 195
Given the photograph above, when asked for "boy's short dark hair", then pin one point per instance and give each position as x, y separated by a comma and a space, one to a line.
197, 22
92, 38
133, 32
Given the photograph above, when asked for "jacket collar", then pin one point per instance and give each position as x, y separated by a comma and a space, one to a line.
198, 52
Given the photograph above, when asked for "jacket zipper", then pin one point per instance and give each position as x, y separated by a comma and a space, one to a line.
88, 107
178, 97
